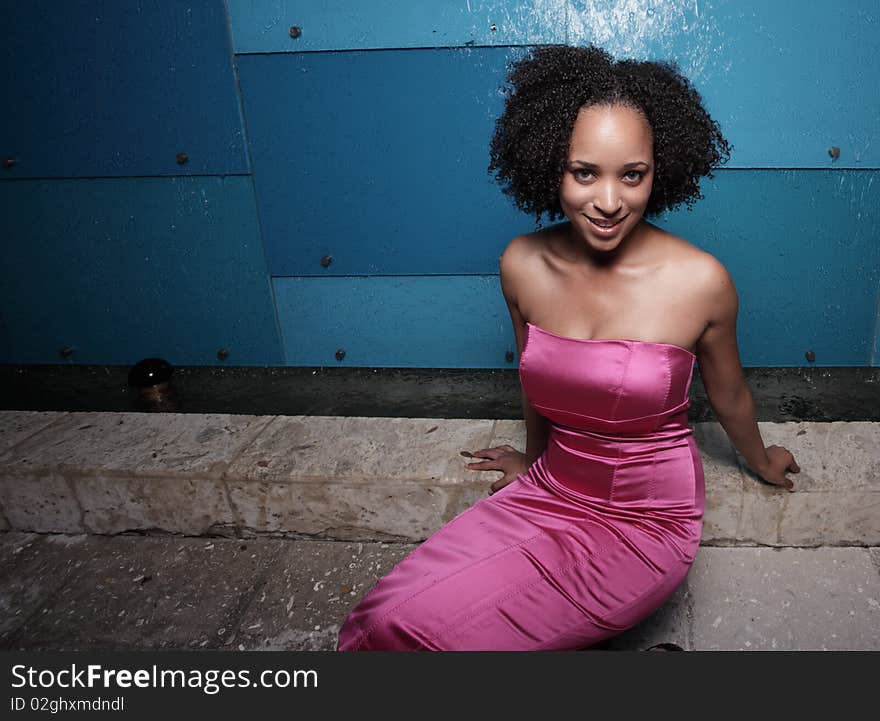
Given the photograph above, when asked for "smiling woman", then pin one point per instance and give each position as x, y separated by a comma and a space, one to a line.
593, 526
605, 197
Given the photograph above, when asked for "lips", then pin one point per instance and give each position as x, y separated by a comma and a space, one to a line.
601, 223
603, 226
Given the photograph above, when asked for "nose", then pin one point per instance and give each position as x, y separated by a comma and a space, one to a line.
607, 199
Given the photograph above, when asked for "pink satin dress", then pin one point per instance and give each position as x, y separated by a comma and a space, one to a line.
591, 540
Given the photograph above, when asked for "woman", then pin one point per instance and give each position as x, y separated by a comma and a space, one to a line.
596, 524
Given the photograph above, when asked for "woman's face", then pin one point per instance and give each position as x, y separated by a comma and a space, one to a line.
608, 174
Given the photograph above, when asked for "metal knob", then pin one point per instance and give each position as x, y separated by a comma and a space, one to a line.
810, 356
223, 354
326, 260
340, 354
834, 152
295, 31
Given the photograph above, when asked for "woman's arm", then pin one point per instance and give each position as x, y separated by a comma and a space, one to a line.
537, 426
726, 386
506, 458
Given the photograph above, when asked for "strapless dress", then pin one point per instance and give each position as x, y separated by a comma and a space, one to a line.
592, 539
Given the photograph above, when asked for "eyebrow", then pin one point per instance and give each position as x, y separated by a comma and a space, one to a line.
593, 166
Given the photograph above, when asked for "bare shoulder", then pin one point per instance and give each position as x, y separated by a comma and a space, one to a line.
706, 279
694, 267
525, 248
713, 282
525, 259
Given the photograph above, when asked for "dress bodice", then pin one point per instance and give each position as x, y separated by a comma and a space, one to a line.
619, 430
618, 386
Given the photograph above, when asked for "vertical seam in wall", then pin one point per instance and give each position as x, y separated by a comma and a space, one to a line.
233, 60
250, 163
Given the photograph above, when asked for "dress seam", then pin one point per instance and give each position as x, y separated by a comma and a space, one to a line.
366, 633
543, 577
614, 418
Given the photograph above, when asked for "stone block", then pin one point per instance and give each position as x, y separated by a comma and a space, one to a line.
830, 519
363, 450
18, 426
838, 456
44, 502
175, 504
137, 444
720, 466
722, 517
343, 511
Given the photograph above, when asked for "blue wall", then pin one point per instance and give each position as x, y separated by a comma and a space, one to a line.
365, 139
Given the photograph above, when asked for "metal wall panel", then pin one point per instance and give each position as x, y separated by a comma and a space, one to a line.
118, 270
263, 26
403, 321
378, 160
357, 157
786, 79
788, 306
118, 88
802, 248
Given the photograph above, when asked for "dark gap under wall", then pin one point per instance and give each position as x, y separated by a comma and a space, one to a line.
781, 394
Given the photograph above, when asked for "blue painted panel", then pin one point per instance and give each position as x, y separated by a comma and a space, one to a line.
109, 88
807, 272
786, 79
875, 353
406, 322
357, 157
120, 270
461, 321
802, 249
263, 26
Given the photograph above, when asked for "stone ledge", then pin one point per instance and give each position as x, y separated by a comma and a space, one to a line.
354, 478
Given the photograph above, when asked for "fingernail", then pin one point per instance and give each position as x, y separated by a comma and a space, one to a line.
467, 454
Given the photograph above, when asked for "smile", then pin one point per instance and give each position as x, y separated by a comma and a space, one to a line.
605, 227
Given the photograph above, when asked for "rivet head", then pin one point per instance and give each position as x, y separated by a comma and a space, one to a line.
509, 356
223, 354
295, 31
9, 163
493, 27
834, 152
810, 356
66, 352
340, 354
182, 158
326, 260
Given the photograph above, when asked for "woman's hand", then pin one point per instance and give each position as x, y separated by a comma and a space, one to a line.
779, 460
500, 458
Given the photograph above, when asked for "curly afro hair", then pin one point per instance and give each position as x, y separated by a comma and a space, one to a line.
530, 145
